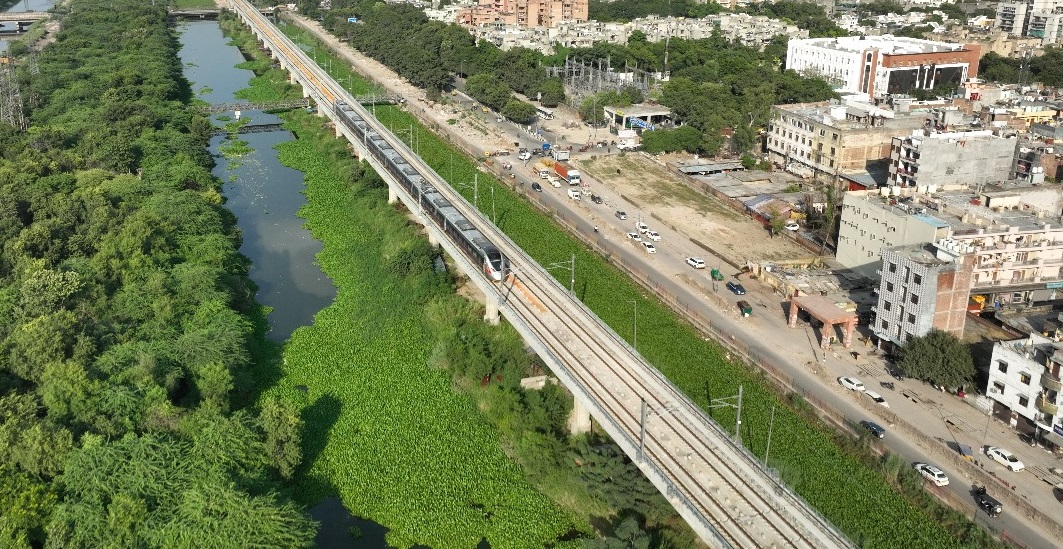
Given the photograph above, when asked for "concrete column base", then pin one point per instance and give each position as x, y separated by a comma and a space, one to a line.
393, 196
579, 421
491, 315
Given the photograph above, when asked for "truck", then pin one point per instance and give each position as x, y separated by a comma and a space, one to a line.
562, 155
627, 139
567, 172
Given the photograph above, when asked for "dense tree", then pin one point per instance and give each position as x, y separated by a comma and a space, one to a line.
489, 90
939, 358
806, 15
997, 68
519, 111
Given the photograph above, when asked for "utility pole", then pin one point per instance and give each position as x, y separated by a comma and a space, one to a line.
771, 424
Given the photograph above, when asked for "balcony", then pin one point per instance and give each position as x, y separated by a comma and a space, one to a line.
1051, 382
1046, 406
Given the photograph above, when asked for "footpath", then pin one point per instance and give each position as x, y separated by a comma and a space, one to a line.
943, 420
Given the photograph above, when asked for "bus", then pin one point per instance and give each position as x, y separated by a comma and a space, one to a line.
544, 113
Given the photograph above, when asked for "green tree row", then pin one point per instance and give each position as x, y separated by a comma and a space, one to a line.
1047, 68
126, 321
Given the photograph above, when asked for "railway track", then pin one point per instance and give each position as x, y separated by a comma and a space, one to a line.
713, 482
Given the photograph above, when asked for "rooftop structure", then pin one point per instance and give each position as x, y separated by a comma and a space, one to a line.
887, 64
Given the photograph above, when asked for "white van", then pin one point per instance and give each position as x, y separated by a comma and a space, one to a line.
555, 181
544, 173
573, 194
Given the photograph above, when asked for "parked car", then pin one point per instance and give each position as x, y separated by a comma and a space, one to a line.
932, 474
875, 429
596, 199
635, 237
642, 227
696, 262
653, 235
650, 249
621, 214
877, 398
851, 383
555, 181
524, 155
736, 288
988, 503
1006, 458
573, 194
792, 226
537, 187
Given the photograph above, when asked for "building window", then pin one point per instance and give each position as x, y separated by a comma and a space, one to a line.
832, 151
887, 306
915, 299
1024, 377
999, 387
1024, 402
885, 325
889, 286
1002, 366
834, 137
893, 267
911, 318
917, 279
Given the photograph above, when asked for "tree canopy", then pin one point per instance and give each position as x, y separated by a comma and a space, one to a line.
123, 310
939, 358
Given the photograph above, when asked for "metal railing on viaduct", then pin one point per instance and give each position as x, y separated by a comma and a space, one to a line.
714, 483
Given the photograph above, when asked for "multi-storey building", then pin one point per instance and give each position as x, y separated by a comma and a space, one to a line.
1042, 19
524, 13
819, 139
870, 222
928, 157
1024, 383
922, 287
887, 64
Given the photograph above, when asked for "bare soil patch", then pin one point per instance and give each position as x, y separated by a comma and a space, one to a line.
660, 192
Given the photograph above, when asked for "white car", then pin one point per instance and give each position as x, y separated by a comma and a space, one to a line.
696, 262
792, 226
877, 398
635, 237
653, 235
649, 248
1006, 458
932, 474
524, 155
851, 383
555, 181
642, 227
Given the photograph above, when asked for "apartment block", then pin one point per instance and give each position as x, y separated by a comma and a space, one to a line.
1024, 382
928, 157
1041, 19
524, 13
921, 287
825, 138
871, 221
887, 64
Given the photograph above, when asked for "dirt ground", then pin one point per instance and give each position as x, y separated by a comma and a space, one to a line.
658, 191
661, 192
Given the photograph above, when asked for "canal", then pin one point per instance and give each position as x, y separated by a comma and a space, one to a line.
264, 195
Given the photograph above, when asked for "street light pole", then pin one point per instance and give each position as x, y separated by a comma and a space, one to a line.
725, 401
771, 424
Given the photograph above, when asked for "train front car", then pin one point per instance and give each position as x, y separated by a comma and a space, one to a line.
496, 264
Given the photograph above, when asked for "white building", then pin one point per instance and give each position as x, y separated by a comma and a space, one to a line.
887, 64
1036, 18
1024, 381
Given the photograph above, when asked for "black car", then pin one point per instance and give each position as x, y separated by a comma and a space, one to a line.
537, 187
988, 504
736, 288
874, 428
596, 199
620, 214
